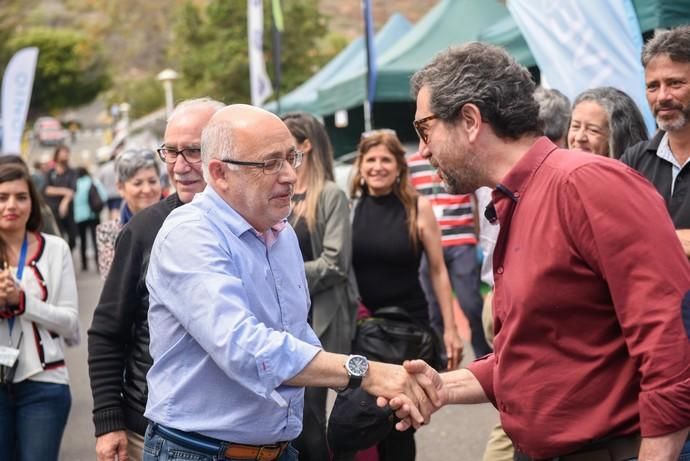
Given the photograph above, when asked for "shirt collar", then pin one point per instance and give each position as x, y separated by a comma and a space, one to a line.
514, 183
234, 221
664, 152
271, 235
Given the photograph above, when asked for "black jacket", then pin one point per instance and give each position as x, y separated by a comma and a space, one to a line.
642, 157
119, 335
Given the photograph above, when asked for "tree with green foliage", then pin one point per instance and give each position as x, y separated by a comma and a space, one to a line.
210, 45
70, 71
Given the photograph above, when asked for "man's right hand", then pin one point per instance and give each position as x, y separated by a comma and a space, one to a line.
427, 379
112, 446
419, 397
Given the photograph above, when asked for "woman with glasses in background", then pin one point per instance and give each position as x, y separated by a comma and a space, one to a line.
321, 219
138, 182
38, 311
392, 225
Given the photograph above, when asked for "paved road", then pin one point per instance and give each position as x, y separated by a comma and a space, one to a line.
83, 150
456, 433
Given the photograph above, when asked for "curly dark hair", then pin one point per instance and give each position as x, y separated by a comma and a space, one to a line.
484, 75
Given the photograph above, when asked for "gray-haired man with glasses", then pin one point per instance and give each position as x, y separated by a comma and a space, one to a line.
118, 338
231, 347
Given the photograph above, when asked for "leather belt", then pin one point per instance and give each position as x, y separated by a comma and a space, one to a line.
614, 449
213, 446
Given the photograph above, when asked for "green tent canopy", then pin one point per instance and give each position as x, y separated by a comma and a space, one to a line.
350, 61
507, 34
662, 14
450, 22
652, 14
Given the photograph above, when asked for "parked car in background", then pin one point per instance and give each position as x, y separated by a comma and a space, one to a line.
48, 131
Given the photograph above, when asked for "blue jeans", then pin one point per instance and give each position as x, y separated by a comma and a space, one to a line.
33, 416
685, 452
156, 448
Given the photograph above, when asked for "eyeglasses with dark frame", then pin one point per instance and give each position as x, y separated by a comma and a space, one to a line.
190, 155
273, 165
420, 126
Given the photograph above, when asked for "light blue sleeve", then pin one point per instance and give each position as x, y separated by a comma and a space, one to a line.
193, 275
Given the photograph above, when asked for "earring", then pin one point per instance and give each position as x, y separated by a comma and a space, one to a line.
362, 182
397, 178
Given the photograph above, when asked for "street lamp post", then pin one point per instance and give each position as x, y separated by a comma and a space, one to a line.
166, 77
124, 115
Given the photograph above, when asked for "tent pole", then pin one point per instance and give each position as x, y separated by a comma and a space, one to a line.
371, 63
367, 115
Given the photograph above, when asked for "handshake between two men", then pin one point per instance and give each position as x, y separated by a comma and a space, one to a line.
422, 391
413, 390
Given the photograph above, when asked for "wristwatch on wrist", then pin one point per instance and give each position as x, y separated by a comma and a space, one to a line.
356, 367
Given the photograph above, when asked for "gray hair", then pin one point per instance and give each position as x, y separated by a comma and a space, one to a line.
484, 75
193, 103
674, 42
626, 124
554, 112
217, 142
129, 162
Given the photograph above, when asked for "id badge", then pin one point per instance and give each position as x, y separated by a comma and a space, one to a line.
8, 356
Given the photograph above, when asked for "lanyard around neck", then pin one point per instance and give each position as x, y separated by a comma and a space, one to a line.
22, 257
20, 271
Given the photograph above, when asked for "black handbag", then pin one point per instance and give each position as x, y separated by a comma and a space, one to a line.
357, 423
392, 336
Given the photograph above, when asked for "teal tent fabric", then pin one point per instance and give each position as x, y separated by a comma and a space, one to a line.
658, 14
450, 22
507, 34
652, 14
350, 61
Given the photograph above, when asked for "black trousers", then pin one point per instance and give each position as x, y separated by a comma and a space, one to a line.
90, 227
67, 227
311, 443
398, 446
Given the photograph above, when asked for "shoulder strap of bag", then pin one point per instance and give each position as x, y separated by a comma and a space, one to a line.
353, 206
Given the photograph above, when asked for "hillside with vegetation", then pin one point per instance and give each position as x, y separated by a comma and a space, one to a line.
114, 50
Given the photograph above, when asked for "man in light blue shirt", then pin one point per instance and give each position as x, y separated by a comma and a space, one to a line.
230, 342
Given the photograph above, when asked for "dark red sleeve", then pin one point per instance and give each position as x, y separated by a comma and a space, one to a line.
483, 370
625, 233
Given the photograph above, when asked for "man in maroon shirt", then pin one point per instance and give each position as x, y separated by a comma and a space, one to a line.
591, 305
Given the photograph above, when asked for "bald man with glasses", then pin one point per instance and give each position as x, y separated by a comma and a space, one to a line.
232, 350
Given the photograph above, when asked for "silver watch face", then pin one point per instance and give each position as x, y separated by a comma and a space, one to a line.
357, 365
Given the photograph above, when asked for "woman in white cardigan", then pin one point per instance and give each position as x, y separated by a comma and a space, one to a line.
38, 311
